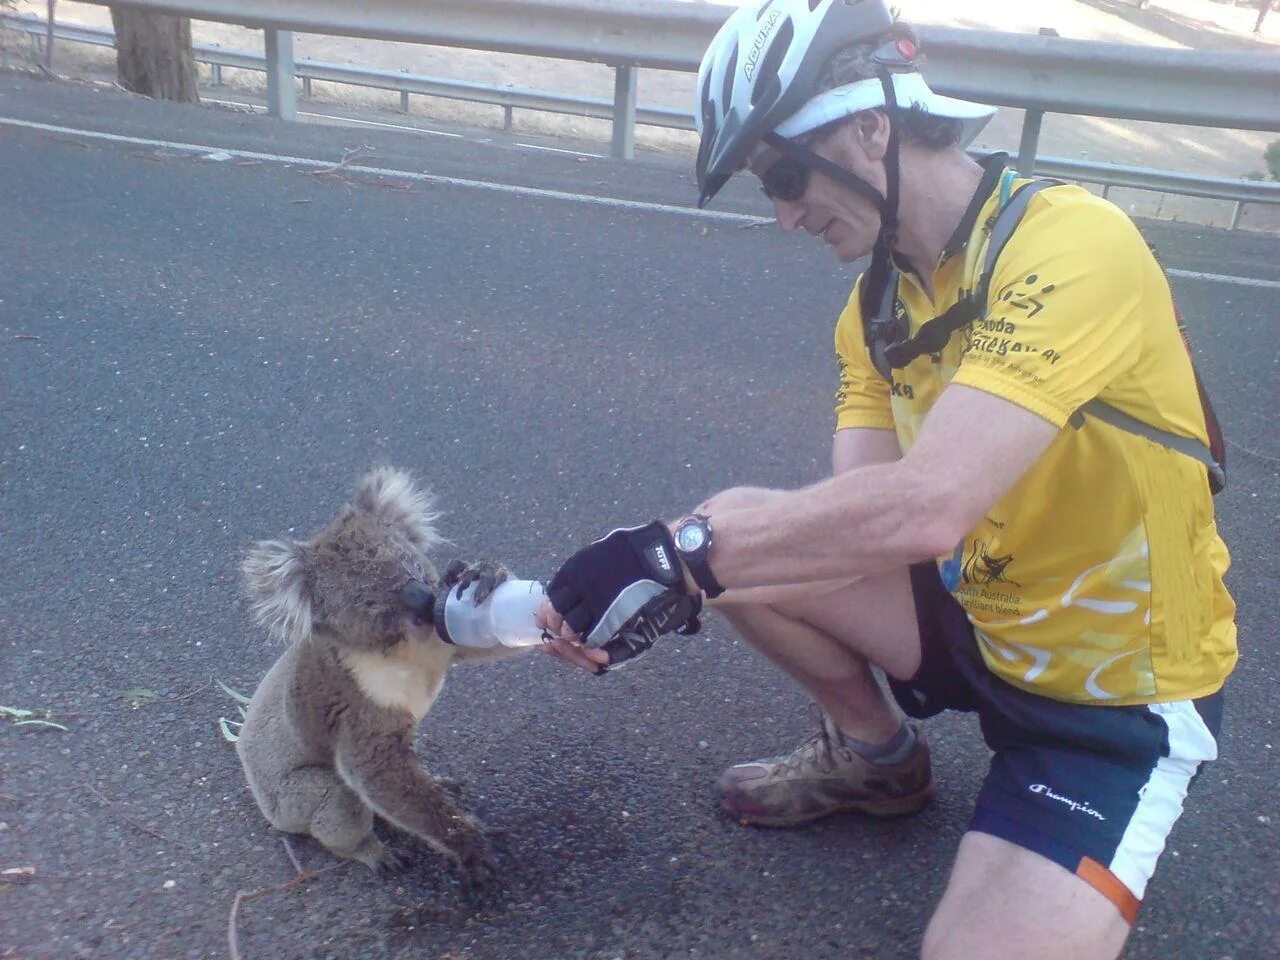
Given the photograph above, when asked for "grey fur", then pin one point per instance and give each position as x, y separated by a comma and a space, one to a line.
328, 742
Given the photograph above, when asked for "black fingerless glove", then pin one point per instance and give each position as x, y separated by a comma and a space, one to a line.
624, 591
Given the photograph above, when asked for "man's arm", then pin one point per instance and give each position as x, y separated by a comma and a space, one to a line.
851, 448
972, 448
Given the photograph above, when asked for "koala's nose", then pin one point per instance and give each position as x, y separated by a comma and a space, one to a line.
420, 599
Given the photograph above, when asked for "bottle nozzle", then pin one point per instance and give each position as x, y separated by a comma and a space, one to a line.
421, 601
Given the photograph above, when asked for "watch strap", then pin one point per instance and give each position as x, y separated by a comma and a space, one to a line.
698, 563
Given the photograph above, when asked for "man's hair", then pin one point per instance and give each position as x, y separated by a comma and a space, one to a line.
853, 63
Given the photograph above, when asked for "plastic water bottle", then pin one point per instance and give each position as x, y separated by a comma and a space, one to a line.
504, 619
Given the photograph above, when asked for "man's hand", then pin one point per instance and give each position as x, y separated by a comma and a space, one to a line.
617, 596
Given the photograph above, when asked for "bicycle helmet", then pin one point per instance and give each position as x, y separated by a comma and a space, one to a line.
761, 67
758, 76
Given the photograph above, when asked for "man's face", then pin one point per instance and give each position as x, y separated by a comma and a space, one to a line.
841, 217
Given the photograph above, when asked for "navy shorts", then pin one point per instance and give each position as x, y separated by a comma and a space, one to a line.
1095, 789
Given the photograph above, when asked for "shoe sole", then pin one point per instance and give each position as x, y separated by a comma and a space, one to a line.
881, 809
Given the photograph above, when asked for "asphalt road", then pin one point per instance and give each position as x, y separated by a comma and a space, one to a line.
198, 353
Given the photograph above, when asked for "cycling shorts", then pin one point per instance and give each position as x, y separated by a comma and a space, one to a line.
1093, 788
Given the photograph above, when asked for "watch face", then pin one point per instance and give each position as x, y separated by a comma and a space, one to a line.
690, 537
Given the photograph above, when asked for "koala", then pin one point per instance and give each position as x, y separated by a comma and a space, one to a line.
328, 739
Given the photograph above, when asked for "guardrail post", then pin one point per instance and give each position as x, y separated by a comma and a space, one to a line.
1236, 214
1029, 142
282, 101
624, 112
507, 117
48, 43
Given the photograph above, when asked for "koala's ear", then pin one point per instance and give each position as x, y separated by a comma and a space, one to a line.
390, 498
275, 576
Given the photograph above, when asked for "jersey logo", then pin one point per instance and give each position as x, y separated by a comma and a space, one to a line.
1020, 299
981, 567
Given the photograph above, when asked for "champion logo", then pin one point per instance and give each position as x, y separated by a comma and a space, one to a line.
1045, 791
660, 554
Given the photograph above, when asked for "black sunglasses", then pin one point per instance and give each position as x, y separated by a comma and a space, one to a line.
786, 179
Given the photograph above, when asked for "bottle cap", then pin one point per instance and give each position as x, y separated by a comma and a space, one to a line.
442, 631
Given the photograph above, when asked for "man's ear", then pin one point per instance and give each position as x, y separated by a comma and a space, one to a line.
871, 129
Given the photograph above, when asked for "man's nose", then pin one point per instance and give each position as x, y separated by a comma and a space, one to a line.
788, 213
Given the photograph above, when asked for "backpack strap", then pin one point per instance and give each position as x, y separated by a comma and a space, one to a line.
934, 334
1174, 441
889, 351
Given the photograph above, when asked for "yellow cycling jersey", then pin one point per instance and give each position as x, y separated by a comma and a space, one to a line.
1098, 577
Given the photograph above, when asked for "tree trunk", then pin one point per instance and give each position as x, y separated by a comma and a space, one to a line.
1264, 7
153, 54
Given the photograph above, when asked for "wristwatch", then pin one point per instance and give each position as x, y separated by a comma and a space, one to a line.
693, 543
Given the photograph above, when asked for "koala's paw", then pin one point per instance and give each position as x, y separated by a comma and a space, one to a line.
451, 785
392, 861
485, 574
383, 859
477, 871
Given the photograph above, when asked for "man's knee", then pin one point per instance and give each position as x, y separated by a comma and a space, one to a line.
1004, 900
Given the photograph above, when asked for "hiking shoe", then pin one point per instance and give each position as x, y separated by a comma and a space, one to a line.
822, 776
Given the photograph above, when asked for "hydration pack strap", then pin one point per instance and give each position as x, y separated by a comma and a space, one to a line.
889, 352
933, 335
1174, 441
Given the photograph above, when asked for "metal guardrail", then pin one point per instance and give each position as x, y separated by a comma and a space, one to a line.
1050, 74
405, 83
1038, 74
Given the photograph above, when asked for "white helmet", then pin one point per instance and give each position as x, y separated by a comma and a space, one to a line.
762, 67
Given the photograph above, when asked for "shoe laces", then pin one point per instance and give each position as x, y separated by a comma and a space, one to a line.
822, 748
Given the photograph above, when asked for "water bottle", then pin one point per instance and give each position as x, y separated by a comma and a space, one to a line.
505, 618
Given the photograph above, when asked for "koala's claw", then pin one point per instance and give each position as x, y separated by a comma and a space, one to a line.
477, 870
485, 574
478, 878
451, 785
392, 861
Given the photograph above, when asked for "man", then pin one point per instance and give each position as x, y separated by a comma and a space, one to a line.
1019, 524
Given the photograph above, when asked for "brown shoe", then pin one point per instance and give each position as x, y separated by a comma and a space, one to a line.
821, 777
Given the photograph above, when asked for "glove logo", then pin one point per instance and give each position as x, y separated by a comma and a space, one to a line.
660, 556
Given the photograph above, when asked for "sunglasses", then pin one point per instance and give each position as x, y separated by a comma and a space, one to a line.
786, 179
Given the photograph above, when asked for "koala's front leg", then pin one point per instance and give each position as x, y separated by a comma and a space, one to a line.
485, 574
382, 767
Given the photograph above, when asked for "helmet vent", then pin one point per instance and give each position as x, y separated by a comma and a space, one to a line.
767, 72
814, 4
726, 95
765, 9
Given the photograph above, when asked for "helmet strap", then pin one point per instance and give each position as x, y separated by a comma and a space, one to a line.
889, 211
875, 281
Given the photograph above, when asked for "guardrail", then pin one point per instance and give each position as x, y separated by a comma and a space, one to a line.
1039, 74
509, 98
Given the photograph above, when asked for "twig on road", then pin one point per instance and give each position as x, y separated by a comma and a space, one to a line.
244, 896
293, 857
130, 821
1253, 453
183, 696
23, 875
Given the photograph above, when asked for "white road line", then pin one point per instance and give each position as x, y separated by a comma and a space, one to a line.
507, 188
1221, 278
575, 153
199, 148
